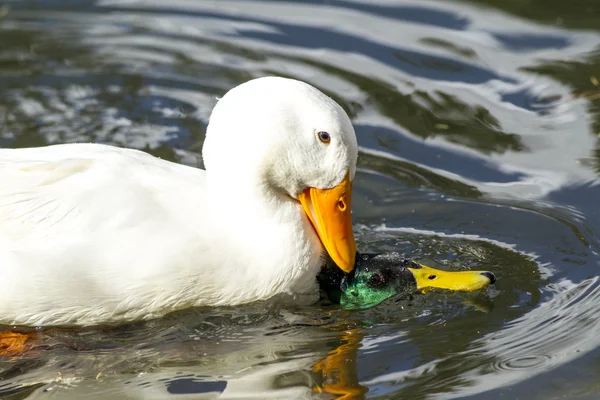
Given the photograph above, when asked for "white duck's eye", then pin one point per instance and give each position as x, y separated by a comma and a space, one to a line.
324, 137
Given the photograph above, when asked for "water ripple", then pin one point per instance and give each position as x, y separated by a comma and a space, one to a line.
550, 335
478, 149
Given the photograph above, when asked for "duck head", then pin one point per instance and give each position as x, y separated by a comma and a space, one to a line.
377, 277
286, 142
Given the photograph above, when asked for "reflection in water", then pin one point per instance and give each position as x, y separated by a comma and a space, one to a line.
339, 370
582, 78
552, 12
555, 333
477, 129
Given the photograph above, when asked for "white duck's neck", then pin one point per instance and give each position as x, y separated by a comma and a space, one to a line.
281, 251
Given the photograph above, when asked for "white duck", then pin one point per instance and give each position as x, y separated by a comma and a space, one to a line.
92, 234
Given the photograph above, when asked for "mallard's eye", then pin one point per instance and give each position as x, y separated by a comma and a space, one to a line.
324, 137
375, 280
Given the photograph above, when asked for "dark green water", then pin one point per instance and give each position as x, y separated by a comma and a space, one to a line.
478, 125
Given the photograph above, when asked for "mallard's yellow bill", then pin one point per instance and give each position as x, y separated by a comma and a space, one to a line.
462, 281
329, 214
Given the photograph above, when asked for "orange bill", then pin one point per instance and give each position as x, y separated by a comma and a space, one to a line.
329, 213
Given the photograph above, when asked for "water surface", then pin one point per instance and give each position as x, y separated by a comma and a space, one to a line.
478, 125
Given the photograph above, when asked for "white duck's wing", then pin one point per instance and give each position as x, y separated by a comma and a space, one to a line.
92, 233
78, 189
43, 198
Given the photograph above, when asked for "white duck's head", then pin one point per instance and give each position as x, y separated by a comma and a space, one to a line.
281, 138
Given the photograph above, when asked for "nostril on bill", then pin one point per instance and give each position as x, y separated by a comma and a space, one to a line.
490, 276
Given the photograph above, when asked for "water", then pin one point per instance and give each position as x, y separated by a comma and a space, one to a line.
478, 128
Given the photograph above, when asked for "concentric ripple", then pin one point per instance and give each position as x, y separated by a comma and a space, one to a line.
477, 123
523, 362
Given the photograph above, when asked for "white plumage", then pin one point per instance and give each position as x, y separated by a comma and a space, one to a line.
93, 234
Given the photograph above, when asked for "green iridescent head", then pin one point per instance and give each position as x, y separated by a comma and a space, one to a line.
377, 277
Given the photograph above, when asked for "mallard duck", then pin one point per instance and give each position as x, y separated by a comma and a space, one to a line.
93, 234
377, 277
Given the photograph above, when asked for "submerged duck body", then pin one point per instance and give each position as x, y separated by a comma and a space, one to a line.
93, 234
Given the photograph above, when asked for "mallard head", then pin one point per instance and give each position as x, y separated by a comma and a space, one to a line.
377, 277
